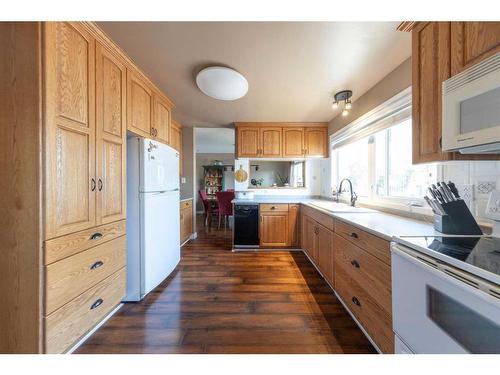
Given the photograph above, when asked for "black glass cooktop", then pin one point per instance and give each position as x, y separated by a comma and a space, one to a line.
481, 252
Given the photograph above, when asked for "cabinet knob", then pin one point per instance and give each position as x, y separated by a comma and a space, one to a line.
355, 263
96, 265
354, 235
96, 236
96, 304
355, 301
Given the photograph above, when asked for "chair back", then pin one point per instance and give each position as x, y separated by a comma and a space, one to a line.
224, 199
204, 200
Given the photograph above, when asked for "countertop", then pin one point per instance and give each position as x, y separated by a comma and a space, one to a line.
381, 224
186, 199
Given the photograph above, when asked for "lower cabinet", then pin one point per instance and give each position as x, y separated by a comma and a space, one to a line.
279, 225
186, 220
357, 265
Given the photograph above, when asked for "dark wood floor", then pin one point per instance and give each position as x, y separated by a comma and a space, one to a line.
218, 301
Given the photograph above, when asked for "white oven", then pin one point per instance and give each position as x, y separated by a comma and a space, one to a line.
440, 309
471, 109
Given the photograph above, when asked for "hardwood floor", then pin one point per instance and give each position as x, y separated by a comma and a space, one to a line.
218, 301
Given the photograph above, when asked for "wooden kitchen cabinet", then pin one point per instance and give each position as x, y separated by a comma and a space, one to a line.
273, 228
277, 140
186, 219
111, 133
472, 42
70, 194
294, 225
139, 103
293, 142
325, 253
315, 142
430, 67
176, 136
161, 119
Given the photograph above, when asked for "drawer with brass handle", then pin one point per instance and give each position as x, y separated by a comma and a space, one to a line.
281, 207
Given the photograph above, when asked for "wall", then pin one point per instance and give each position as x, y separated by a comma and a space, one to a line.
206, 159
187, 176
474, 180
393, 83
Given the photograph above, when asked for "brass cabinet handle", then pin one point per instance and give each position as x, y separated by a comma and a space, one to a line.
356, 301
92, 184
96, 304
99, 184
355, 263
273, 207
354, 235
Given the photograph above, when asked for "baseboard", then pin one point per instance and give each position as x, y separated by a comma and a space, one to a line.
91, 332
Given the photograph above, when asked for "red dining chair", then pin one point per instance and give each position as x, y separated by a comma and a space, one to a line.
224, 199
207, 207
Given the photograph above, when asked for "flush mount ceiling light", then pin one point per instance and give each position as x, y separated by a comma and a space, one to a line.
345, 98
222, 83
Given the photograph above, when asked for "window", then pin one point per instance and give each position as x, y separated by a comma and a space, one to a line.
380, 165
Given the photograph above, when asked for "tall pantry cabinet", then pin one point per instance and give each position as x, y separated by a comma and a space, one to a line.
63, 142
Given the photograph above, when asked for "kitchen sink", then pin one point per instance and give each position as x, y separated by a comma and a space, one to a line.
339, 207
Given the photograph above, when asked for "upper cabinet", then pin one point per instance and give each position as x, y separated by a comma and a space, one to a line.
139, 104
70, 186
176, 136
430, 67
276, 140
111, 133
439, 51
161, 119
472, 42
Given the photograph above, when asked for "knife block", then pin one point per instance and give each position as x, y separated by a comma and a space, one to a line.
458, 220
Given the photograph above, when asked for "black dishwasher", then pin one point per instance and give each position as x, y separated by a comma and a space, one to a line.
246, 226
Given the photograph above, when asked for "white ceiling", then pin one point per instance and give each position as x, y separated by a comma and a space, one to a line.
214, 140
293, 68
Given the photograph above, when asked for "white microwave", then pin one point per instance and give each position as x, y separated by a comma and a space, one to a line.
471, 109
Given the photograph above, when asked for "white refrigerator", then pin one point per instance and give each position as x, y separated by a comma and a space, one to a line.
153, 248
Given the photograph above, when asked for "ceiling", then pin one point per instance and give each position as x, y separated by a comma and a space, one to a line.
214, 140
293, 68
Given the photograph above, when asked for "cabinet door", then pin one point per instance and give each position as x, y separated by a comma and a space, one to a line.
293, 142
248, 142
309, 240
176, 136
274, 229
161, 119
69, 129
111, 136
293, 225
430, 67
472, 42
316, 142
270, 142
325, 253
139, 98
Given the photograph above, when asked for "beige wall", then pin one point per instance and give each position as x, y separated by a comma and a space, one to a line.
187, 187
393, 83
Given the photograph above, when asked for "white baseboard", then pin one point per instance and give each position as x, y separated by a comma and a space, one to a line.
91, 332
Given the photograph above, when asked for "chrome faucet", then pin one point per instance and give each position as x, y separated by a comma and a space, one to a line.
354, 197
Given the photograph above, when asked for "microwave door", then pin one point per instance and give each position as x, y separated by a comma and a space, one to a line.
471, 109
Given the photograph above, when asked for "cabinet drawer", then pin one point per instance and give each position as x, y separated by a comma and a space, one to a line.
274, 207
374, 319
370, 273
186, 204
376, 246
65, 246
72, 276
69, 323
326, 220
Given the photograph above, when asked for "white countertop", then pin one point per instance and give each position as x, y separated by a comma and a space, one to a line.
186, 199
378, 223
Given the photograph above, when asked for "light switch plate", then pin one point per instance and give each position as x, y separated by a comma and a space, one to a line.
493, 206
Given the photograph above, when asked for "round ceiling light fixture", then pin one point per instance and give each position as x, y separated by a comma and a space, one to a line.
222, 83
